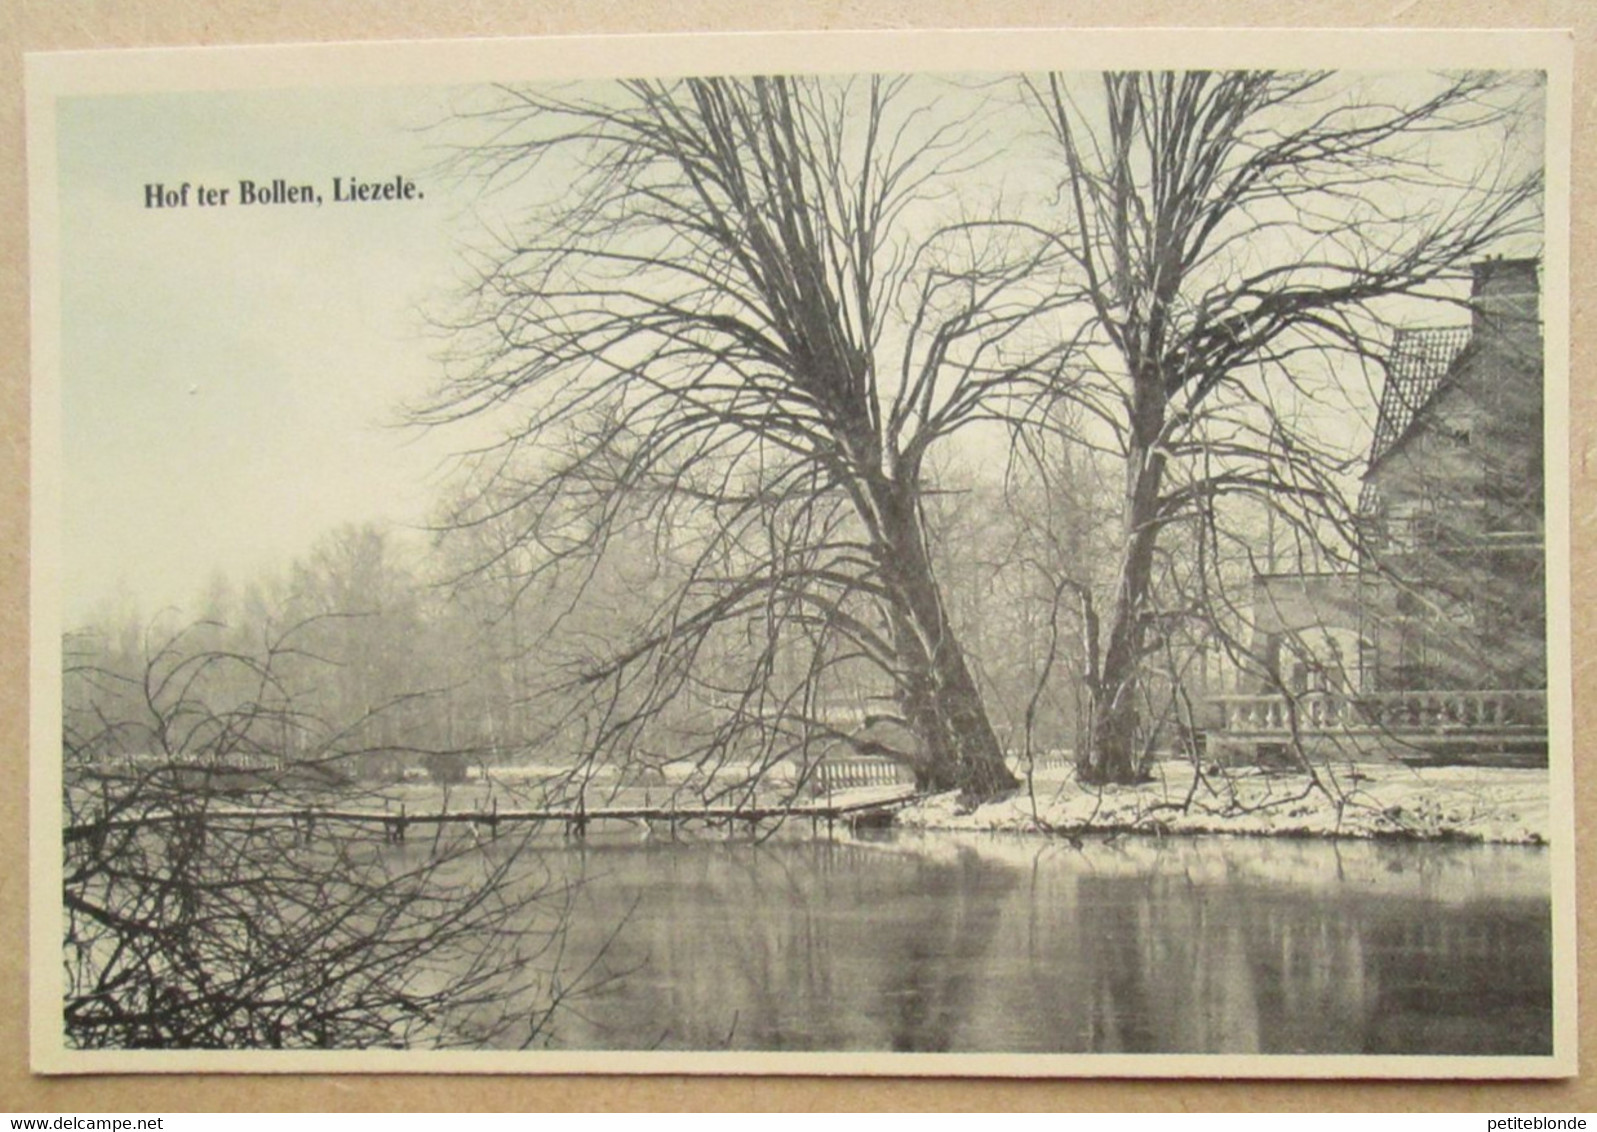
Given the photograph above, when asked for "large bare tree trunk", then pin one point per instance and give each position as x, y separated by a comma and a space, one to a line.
1112, 751
1228, 254
759, 293
937, 692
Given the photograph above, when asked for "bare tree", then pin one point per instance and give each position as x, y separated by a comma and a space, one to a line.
1241, 240
198, 917
742, 319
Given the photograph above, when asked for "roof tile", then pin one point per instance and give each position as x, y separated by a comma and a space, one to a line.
1419, 361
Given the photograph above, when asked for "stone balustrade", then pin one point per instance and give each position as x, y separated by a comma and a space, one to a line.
1434, 712
850, 774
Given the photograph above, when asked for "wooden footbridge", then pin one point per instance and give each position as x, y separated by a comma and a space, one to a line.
859, 805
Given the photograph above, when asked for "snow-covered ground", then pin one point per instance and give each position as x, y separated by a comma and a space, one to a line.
1467, 803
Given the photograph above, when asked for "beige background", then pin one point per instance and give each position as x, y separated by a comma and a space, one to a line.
35, 25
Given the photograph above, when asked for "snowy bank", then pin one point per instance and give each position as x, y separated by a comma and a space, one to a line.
1433, 803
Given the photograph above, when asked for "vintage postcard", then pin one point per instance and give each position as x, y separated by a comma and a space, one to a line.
1028, 553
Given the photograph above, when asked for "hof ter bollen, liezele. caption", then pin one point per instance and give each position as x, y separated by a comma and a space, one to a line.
344, 190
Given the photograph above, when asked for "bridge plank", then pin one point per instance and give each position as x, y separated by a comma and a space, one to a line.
839, 807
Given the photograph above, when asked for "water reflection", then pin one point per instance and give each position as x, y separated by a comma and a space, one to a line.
998, 945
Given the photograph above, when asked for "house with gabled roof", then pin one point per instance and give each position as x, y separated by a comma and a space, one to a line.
1452, 502
1435, 647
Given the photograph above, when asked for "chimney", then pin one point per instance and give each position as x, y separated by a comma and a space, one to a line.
1506, 297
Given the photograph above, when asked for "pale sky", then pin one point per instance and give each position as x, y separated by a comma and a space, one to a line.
228, 374
231, 376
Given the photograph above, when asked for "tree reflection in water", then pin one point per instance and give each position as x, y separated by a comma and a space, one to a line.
999, 945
